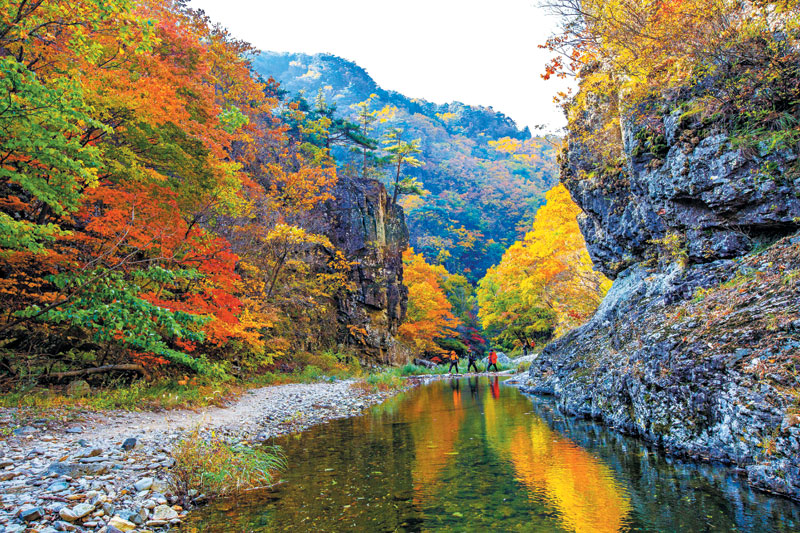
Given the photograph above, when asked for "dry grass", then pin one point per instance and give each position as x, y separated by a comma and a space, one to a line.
213, 467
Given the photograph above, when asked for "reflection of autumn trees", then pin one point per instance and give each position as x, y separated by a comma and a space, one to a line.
440, 417
550, 466
583, 488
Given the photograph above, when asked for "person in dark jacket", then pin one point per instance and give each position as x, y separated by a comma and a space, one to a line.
472, 358
453, 361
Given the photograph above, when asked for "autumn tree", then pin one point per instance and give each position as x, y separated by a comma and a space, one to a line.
430, 318
544, 285
729, 62
152, 204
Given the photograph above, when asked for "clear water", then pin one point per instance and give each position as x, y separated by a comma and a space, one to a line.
474, 455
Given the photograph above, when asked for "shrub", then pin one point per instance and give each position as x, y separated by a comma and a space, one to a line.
383, 381
216, 468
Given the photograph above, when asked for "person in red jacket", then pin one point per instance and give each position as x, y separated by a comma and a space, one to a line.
492, 361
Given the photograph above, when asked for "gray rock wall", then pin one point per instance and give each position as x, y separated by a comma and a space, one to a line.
697, 345
718, 199
371, 231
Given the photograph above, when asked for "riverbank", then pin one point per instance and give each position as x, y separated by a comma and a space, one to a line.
109, 470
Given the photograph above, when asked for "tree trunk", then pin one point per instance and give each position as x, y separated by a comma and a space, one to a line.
396, 182
55, 376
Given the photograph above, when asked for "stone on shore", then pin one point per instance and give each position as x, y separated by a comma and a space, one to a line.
121, 524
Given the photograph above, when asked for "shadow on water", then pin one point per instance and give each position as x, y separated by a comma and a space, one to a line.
472, 455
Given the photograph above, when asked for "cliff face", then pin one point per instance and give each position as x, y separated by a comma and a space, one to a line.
681, 178
372, 233
697, 345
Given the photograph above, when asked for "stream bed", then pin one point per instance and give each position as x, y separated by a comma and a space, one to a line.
471, 454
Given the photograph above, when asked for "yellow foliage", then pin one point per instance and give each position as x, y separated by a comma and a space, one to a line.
544, 284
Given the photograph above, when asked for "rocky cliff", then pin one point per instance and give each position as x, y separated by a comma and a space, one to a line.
697, 346
363, 223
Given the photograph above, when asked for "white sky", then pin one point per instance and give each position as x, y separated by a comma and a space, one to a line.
476, 52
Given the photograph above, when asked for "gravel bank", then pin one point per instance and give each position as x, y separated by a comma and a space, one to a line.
109, 471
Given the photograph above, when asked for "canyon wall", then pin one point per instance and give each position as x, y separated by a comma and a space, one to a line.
697, 345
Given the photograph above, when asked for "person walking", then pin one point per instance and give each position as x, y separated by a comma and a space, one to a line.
472, 358
453, 361
492, 361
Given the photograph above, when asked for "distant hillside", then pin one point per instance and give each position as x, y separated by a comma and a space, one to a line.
486, 177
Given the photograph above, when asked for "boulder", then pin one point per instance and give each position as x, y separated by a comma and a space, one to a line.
675, 225
31, 514
143, 484
164, 512
121, 524
82, 509
502, 358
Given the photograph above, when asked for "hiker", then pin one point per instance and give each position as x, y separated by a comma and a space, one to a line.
453, 361
492, 361
472, 358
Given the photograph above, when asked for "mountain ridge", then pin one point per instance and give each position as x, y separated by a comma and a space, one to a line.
486, 176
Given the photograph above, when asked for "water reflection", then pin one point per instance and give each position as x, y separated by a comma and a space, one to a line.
471, 454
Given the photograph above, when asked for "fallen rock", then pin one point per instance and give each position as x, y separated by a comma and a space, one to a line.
58, 486
143, 484
82, 509
92, 452
121, 524
77, 469
163, 512
67, 514
31, 514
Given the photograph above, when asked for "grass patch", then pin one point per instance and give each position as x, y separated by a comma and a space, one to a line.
416, 370
382, 381
139, 395
523, 366
216, 468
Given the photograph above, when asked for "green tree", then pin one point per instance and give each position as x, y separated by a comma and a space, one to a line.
402, 153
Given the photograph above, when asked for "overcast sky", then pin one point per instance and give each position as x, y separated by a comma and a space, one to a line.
476, 52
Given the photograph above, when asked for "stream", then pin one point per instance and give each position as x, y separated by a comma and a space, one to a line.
472, 454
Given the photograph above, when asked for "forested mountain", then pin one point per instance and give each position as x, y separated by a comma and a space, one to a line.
484, 176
